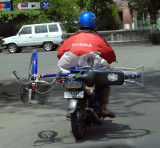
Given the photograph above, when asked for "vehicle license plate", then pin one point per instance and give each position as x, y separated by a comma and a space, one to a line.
76, 94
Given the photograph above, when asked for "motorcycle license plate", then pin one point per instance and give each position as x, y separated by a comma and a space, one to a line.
76, 94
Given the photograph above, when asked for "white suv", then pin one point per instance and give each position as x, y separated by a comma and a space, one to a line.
47, 35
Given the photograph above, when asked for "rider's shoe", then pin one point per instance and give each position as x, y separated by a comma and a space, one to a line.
108, 114
68, 115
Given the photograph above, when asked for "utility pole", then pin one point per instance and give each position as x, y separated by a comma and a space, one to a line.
11, 5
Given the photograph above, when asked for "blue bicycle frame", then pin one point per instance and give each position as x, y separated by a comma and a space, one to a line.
34, 63
34, 70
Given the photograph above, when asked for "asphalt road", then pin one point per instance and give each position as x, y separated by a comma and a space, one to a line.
137, 124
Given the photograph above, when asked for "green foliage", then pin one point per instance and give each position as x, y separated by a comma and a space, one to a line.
8, 16
140, 5
147, 23
155, 38
151, 6
145, 5
106, 11
159, 14
65, 11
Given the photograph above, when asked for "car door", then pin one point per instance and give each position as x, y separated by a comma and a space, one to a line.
57, 33
40, 34
25, 36
54, 34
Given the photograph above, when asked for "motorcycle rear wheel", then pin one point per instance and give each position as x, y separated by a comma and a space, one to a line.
78, 122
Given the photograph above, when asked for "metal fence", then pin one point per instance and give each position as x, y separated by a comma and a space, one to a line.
142, 24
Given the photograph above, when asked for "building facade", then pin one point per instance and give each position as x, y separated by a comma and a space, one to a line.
128, 18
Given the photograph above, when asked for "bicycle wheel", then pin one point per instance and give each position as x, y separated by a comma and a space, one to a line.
33, 66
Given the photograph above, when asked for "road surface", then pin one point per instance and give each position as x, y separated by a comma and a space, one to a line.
137, 124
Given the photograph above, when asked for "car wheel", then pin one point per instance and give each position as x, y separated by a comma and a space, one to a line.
48, 46
55, 47
12, 48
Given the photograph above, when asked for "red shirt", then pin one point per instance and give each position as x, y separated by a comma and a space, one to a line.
85, 42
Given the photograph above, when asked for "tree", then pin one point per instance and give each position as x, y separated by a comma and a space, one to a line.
152, 6
65, 11
106, 12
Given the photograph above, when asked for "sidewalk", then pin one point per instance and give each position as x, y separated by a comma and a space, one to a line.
131, 43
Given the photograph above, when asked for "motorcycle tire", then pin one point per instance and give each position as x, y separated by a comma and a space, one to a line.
78, 123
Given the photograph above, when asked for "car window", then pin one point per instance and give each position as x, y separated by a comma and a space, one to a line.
53, 28
62, 27
26, 30
41, 29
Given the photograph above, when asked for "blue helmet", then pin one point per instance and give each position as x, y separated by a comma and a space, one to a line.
87, 19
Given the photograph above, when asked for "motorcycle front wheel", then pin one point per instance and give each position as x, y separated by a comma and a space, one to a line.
78, 122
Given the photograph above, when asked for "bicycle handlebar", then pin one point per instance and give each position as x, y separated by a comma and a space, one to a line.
16, 75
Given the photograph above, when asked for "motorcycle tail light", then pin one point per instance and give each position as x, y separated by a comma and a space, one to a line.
33, 85
62, 36
73, 90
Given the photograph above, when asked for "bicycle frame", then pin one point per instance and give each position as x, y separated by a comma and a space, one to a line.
34, 63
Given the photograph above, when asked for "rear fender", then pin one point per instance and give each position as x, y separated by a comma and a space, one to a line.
72, 105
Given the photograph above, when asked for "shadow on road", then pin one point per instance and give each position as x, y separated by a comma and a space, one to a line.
46, 137
123, 98
109, 130
105, 132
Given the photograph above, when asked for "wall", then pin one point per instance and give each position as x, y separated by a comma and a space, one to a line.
124, 36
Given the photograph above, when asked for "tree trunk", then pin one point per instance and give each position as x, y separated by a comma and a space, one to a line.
153, 10
153, 19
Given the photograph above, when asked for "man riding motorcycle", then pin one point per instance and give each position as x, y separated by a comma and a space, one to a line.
86, 47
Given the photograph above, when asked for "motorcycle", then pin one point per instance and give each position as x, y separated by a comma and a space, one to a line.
83, 97
80, 90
